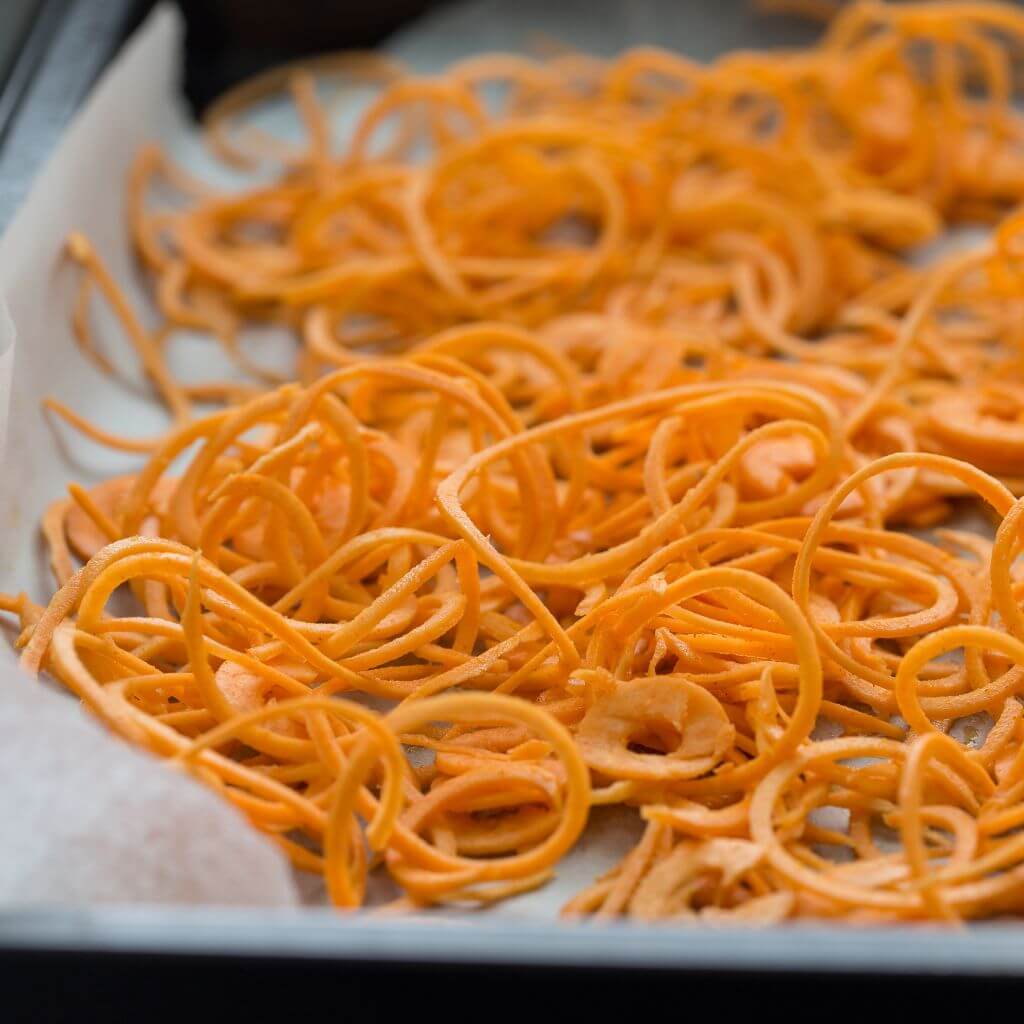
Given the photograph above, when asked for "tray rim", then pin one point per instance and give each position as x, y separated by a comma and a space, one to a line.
63, 50
315, 934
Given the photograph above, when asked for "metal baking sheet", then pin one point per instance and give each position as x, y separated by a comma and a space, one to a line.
82, 188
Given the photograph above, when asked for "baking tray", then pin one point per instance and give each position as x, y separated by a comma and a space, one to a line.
108, 954
58, 57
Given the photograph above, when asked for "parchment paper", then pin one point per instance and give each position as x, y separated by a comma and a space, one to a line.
82, 187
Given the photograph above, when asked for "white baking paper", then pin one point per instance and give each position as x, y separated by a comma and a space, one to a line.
81, 187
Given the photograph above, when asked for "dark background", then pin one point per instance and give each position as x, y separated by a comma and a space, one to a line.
229, 40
